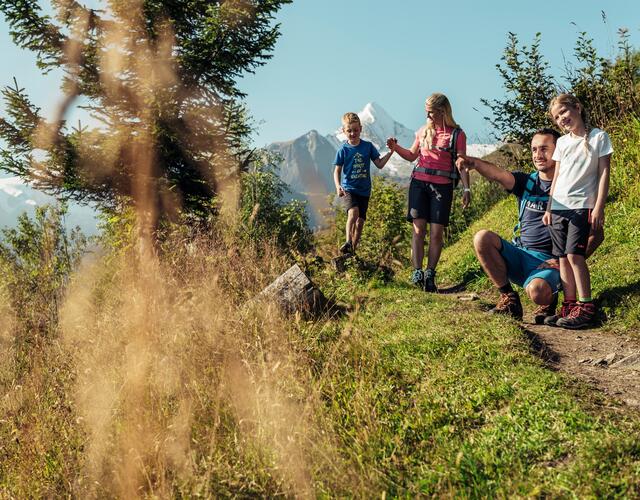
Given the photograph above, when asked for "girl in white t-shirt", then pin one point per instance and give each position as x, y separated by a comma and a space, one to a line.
578, 193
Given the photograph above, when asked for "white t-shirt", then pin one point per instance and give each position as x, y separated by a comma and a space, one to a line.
577, 183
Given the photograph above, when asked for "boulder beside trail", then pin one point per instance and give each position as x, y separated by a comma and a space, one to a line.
294, 291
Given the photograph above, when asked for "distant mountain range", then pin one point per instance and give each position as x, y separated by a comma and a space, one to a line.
307, 168
307, 165
17, 197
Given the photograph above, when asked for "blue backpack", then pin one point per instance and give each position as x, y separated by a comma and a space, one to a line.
527, 196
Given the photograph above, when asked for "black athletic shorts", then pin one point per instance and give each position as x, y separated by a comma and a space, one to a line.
350, 200
430, 201
570, 231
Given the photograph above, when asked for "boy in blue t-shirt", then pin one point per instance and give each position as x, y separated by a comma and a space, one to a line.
352, 163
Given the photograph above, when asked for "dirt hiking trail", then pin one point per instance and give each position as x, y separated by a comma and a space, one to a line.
608, 361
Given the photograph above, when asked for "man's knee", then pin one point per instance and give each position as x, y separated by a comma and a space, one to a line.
484, 240
539, 291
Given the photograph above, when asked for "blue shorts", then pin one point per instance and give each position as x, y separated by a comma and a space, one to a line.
522, 266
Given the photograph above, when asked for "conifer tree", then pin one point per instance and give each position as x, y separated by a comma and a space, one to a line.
159, 77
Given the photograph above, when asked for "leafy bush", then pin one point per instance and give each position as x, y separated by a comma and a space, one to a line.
36, 259
606, 88
609, 89
263, 212
529, 86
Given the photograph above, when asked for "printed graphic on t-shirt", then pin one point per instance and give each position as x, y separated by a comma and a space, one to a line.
359, 170
535, 205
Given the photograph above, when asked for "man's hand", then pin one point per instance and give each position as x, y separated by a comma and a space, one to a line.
549, 264
339, 191
546, 218
464, 163
392, 142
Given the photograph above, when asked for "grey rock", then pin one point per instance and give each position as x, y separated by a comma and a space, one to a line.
628, 362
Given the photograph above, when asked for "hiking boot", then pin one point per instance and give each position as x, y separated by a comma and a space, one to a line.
417, 278
544, 312
581, 316
430, 281
347, 248
564, 312
509, 305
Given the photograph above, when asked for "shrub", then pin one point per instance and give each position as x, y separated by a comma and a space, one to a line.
36, 259
265, 215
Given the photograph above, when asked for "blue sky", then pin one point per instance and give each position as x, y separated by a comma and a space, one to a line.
335, 56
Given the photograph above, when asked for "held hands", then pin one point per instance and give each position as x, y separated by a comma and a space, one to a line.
597, 218
546, 218
392, 142
549, 264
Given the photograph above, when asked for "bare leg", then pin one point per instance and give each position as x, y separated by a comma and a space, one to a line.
417, 242
352, 217
436, 242
358, 232
488, 245
539, 292
581, 274
568, 281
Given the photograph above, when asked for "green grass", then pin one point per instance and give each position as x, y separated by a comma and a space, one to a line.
432, 397
408, 395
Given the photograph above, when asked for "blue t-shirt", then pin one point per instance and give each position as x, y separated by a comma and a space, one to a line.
356, 162
534, 235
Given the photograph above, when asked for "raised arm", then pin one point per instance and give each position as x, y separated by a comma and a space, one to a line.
486, 169
407, 154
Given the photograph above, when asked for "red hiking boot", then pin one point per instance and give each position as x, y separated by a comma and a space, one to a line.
581, 316
564, 312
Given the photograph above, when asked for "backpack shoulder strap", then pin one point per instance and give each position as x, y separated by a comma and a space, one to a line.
453, 142
526, 195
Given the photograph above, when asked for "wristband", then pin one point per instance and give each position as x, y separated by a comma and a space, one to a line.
466, 190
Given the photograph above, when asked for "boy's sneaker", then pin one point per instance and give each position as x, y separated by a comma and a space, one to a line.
509, 305
544, 312
430, 281
581, 315
417, 278
347, 248
565, 310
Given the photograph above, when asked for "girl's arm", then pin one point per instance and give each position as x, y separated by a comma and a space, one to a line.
604, 167
546, 218
407, 154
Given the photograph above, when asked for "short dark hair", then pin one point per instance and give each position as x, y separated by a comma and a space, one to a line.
547, 131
